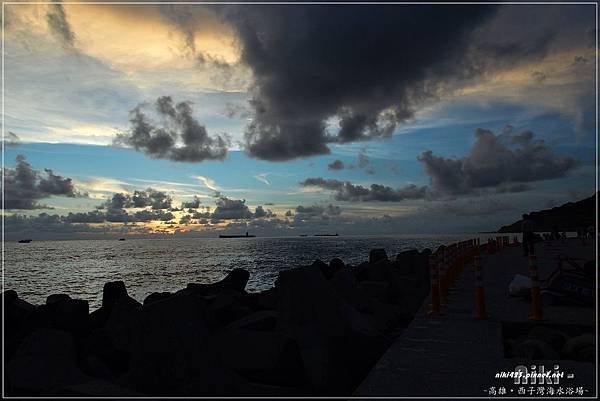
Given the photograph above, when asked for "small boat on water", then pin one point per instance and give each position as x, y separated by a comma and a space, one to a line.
326, 235
304, 235
24, 241
236, 236
121, 239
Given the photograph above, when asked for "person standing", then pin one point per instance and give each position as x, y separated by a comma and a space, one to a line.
528, 238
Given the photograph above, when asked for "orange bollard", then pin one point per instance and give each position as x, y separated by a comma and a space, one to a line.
536, 301
435, 285
480, 312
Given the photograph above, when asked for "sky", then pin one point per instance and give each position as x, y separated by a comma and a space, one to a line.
194, 120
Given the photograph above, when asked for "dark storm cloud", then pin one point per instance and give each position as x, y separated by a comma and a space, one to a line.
496, 161
156, 199
346, 191
260, 212
201, 215
59, 25
236, 209
192, 204
53, 184
229, 209
312, 212
149, 198
368, 66
185, 220
113, 210
336, 165
177, 135
24, 187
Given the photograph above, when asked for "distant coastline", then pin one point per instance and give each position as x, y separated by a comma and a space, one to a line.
569, 217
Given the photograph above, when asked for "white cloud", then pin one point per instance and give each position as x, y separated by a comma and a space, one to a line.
262, 177
207, 182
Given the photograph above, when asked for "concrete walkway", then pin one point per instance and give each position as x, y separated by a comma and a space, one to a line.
455, 355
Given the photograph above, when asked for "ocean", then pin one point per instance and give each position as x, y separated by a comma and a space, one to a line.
81, 267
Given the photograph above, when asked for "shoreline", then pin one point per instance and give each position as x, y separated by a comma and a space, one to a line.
323, 329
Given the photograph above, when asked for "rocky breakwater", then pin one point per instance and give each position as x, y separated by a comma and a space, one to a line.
318, 331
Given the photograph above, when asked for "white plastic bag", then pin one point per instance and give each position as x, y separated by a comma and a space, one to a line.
520, 286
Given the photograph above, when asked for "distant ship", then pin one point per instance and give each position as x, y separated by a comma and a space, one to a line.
24, 241
121, 239
326, 235
304, 235
236, 236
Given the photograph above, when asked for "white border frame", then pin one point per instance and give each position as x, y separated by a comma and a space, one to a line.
301, 3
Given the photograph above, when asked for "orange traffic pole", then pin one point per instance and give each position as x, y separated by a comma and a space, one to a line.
536, 302
480, 312
435, 284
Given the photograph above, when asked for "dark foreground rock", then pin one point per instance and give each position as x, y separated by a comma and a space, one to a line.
317, 332
45, 360
337, 343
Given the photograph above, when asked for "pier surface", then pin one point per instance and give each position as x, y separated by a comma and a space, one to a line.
455, 355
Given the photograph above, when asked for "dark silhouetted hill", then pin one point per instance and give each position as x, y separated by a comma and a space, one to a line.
568, 217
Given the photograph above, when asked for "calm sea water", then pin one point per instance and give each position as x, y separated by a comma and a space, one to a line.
80, 268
